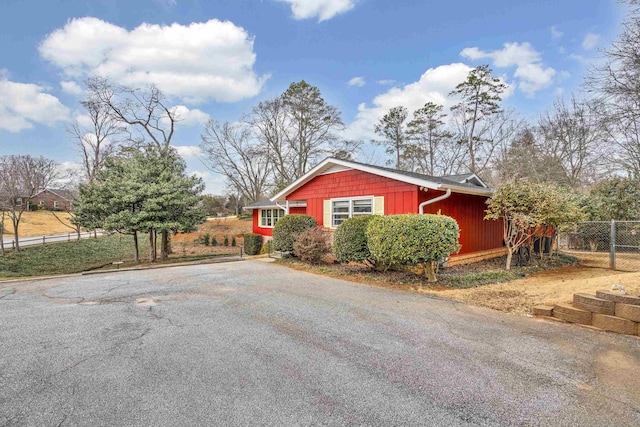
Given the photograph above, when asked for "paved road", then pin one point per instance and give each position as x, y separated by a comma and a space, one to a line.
50, 238
251, 343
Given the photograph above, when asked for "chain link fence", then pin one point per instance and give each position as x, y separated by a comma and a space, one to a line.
605, 244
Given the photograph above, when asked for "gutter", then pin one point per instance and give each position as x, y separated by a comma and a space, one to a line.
434, 200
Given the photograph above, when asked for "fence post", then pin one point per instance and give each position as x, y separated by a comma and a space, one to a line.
612, 253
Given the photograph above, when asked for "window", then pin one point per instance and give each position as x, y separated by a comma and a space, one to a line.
269, 217
342, 209
55, 204
19, 202
41, 202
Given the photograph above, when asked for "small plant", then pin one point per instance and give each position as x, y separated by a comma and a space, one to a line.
214, 241
206, 239
226, 240
233, 240
252, 243
311, 244
286, 227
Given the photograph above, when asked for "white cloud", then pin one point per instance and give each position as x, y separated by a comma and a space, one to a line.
189, 117
188, 151
323, 9
24, 104
434, 86
214, 183
357, 81
195, 62
387, 82
555, 33
590, 41
71, 87
531, 74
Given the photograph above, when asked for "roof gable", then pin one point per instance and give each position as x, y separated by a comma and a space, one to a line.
331, 165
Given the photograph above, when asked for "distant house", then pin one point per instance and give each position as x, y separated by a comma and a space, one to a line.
337, 189
53, 199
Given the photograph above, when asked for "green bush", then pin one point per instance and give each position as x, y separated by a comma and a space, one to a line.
214, 241
286, 227
411, 240
233, 240
252, 243
226, 240
311, 245
350, 239
206, 239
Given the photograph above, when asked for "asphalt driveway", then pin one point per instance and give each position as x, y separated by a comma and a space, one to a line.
250, 343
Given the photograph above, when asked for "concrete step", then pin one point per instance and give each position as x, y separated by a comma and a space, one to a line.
627, 311
543, 310
612, 296
615, 324
571, 314
593, 304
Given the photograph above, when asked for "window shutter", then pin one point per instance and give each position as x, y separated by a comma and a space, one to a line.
327, 213
378, 205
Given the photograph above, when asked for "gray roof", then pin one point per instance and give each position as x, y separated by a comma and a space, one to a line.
261, 204
449, 179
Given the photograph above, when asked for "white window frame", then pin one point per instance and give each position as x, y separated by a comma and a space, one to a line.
55, 204
272, 210
351, 212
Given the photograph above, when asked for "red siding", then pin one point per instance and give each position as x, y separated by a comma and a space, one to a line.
269, 231
399, 197
476, 233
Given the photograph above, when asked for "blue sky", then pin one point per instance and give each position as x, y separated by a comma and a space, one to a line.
218, 58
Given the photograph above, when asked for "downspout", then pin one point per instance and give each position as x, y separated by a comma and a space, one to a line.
434, 200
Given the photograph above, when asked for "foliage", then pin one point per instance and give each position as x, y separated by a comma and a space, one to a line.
226, 240
206, 239
411, 240
287, 227
311, 244
480, 99
233, 241
393, 129
252, 243
525, 207
350, 239
214, 240
428, 137
614, 198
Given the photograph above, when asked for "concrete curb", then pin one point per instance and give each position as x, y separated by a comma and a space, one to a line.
151, 267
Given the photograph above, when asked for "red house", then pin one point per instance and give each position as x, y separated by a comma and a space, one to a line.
337, 189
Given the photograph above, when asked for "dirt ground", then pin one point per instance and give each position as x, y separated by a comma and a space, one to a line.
38, 223
545, 287
188, 244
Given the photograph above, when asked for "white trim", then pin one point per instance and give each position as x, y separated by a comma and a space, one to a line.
273, 222
328, 164
350, 200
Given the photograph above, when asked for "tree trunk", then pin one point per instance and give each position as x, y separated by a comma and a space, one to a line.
2, 237
152, 246
15, 235
430, 271
509, 257
78, 232
135, 243
164, 245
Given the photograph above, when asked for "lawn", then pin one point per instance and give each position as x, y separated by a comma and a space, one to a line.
93, 254
39, 223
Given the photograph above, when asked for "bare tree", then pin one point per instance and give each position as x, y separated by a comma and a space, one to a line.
574, 136
21, 178
146, 115
428, 134
98, 141
393, 129
232, 152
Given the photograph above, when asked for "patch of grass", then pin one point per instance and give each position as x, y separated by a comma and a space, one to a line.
83, 255
471, 279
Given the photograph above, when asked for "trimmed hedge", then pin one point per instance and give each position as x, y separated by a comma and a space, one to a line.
411, 240
350, 239
252, 243
287, 227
